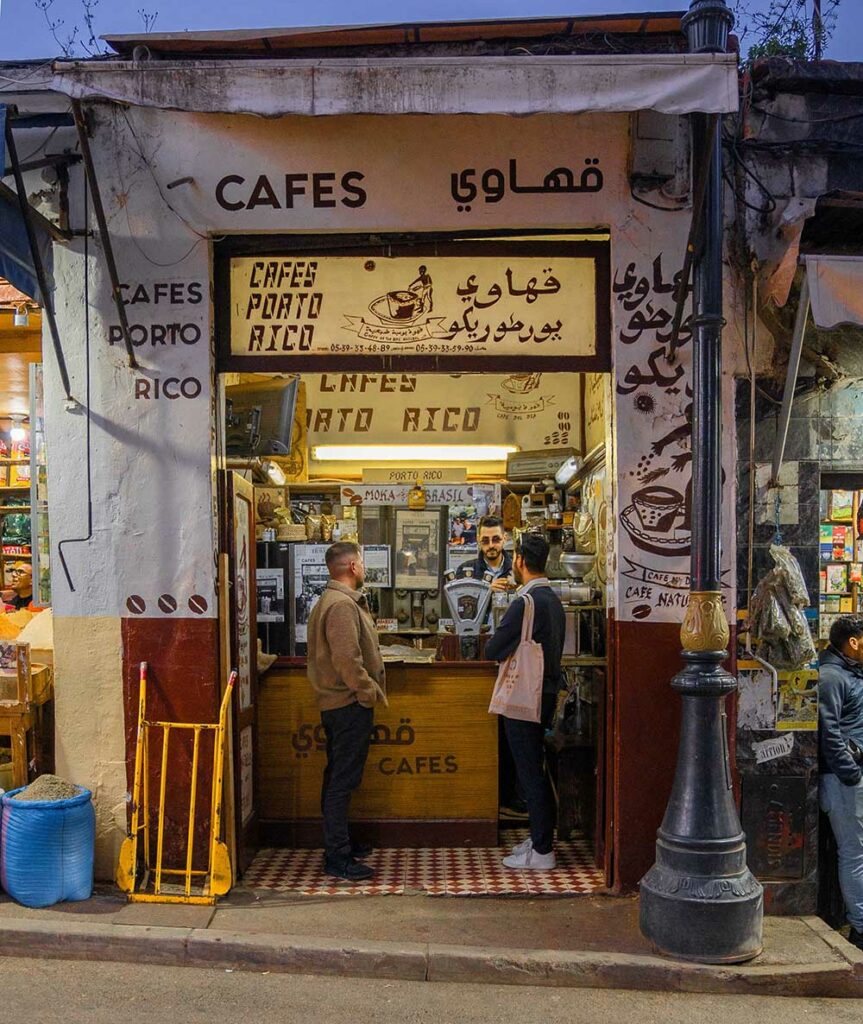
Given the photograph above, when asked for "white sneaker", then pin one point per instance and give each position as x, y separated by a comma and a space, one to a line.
523, 847
530, 860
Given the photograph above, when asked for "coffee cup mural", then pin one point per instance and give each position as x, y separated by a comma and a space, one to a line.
656, 521
658, 507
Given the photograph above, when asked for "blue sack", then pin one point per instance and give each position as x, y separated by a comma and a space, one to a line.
47, 848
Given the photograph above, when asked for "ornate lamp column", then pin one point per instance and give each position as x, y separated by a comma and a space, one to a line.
699, 901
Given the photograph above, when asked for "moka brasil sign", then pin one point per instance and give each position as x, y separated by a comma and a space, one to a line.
538, 308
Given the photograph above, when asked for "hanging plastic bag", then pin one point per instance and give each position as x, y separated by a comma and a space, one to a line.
779, 627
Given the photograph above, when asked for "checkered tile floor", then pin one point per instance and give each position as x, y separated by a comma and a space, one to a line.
436, 872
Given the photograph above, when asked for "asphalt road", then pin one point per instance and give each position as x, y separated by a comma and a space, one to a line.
67, 992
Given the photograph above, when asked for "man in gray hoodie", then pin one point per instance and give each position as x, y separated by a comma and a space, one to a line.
840, 735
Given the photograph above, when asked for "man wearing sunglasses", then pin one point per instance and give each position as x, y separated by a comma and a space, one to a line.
492, 557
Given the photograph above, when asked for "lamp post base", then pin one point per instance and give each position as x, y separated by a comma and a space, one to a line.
708, 920
700, 901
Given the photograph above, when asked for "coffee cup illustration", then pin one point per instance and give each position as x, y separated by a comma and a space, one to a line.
658, 507
403, 305
521, 383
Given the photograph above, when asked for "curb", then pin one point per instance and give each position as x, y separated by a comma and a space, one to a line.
204, 948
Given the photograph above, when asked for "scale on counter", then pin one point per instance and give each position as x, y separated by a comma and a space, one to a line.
468, 599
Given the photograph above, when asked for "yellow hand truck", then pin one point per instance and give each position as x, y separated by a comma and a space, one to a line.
135, 869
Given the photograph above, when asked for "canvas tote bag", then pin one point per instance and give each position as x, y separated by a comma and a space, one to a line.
518, 689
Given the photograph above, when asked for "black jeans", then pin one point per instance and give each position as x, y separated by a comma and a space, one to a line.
527, 742
348, 730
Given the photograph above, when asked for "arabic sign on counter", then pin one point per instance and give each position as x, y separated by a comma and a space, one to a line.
531, 306
419, 766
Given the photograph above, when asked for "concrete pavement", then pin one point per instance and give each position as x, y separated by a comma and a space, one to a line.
582, 942
62, 992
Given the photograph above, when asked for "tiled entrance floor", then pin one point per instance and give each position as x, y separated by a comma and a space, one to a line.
436, 872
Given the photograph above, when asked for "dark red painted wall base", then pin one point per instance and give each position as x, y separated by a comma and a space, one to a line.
183, 686
646, 732
647, 726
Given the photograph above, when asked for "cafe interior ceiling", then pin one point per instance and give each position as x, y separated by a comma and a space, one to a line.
20, 345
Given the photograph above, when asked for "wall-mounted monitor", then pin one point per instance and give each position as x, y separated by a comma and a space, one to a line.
259, 417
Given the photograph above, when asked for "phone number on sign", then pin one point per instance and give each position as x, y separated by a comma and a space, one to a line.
419, 348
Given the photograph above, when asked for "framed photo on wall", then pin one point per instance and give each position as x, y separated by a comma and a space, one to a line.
417, 549
309, 579
377, 562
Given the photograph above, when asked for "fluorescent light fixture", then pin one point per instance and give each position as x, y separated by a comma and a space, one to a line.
275, 473
459, 453
567, 470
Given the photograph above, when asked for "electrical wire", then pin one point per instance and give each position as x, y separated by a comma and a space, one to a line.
139, 149
808, 120
41, 146
751, 364
654, 206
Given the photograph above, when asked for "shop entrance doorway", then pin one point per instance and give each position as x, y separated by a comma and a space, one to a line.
376, 447
238, 640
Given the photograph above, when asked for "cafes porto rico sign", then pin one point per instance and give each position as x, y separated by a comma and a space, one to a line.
465, 307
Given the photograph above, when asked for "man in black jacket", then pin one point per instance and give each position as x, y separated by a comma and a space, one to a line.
840, 736
526, 739
492, 557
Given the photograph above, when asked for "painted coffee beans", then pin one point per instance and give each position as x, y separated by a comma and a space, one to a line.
167, 604
641, 611
136, 604
198, 604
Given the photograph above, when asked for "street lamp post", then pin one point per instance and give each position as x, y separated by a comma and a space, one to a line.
700, 901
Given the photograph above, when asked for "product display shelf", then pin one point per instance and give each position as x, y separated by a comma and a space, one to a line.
848, 598
7, 491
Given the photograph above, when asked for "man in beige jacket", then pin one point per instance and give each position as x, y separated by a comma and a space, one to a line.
347, 674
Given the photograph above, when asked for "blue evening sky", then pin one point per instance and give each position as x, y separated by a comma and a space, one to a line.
23, 33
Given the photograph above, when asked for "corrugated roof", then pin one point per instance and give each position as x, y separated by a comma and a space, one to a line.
10, 296
269, 41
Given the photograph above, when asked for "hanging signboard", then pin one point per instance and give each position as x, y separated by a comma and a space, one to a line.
528, 410
522, 308
483, 499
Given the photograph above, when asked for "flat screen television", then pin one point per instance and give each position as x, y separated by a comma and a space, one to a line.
259, 417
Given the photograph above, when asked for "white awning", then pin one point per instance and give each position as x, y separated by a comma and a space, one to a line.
668, 83
836, 289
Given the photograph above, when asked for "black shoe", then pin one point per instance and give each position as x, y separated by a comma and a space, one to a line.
348, 868
856, 938
360, 850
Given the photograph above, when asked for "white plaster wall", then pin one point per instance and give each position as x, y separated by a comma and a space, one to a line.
153, 521
151, 486
150, 458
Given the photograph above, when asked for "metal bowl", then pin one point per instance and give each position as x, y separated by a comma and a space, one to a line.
576, 566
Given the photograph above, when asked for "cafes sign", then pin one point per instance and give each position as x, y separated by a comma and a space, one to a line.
472, 306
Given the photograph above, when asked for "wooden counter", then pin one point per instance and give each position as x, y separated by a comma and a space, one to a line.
431, 777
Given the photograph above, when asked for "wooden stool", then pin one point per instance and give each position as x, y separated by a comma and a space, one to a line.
24, 688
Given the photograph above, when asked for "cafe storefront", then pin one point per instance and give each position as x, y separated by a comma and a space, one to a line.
409, 266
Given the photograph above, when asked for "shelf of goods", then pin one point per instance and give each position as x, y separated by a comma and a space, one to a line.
13, 546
